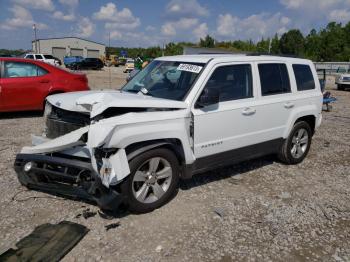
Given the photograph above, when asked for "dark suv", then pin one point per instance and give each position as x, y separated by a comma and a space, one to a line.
87, 63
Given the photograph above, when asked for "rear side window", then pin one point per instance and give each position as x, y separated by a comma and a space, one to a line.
19, 69
38, 57
48, 56
234, 82
30, 56
274, 79
304, 77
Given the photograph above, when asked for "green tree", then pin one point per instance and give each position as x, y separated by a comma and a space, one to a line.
263, 46
292, 43
173, 49
208, 42
333, 42
313, 46
275, 45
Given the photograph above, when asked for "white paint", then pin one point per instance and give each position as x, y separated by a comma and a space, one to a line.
225, 125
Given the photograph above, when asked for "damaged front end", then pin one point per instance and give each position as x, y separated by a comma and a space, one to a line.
60, 162
63, 176
82, 152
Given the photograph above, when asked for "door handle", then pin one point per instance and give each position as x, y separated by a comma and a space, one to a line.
248, 111
44, 81
289, 105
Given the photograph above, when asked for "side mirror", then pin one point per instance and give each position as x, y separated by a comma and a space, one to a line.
209, 96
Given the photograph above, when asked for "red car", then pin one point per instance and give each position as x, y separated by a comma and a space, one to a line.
25, 83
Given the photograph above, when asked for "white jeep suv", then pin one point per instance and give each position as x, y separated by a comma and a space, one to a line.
180, 116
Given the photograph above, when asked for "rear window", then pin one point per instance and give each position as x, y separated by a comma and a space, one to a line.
274, 79
304, 77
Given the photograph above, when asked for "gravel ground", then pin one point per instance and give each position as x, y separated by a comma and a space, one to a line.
106, 78
260, 210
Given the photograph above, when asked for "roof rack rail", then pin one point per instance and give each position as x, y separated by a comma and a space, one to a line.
268, 54
220, 53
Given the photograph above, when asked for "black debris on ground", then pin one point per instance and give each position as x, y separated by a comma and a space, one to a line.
111, 226
47, 242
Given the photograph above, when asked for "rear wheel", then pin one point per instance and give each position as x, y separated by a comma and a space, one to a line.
297, 145
153, 180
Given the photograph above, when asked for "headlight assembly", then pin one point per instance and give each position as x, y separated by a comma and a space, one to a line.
48, 109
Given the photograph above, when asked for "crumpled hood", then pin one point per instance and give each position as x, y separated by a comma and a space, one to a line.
95, 102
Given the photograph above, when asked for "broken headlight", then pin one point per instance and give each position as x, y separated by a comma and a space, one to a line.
48, 109
100, 153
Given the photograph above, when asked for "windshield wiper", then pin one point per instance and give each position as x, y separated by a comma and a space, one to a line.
131, 91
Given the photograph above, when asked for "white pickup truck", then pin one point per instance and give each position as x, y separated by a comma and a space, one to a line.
180, 116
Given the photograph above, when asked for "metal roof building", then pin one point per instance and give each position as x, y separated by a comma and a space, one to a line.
68, 46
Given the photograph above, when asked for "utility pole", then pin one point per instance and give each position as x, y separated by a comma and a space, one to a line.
36, 44
270, 44
163, 49
109, 68
109, 39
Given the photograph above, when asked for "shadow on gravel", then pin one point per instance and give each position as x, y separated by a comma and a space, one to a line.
24, 114
226, 172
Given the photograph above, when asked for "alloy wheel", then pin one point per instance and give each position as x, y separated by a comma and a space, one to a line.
152, 180
300, 143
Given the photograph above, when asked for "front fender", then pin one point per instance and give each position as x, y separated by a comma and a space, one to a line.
122, 131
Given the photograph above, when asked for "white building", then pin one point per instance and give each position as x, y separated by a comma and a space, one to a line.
68, 46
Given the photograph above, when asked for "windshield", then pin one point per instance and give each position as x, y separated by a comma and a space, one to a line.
165, 79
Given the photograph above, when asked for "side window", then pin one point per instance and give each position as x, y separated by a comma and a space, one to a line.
274, 79
234, 82
48, 56
18, 69
304, 77
41, 71
38, 57
30, 57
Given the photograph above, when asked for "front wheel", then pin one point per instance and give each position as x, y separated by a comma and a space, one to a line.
340, 87
153, 180
297, 145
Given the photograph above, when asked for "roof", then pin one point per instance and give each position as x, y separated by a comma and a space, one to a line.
32, 61
67, 38
205, 58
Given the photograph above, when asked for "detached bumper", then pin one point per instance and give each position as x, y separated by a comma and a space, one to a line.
62, 176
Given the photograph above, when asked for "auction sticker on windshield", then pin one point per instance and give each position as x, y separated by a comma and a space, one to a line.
189, 68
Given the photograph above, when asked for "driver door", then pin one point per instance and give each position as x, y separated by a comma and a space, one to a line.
231, 124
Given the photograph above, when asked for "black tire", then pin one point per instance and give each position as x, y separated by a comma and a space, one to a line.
285, 154
340, 87
137, 162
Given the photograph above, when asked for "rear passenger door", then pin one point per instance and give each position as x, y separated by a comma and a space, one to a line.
276, 99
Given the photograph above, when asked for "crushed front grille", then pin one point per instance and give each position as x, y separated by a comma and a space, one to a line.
60, 122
